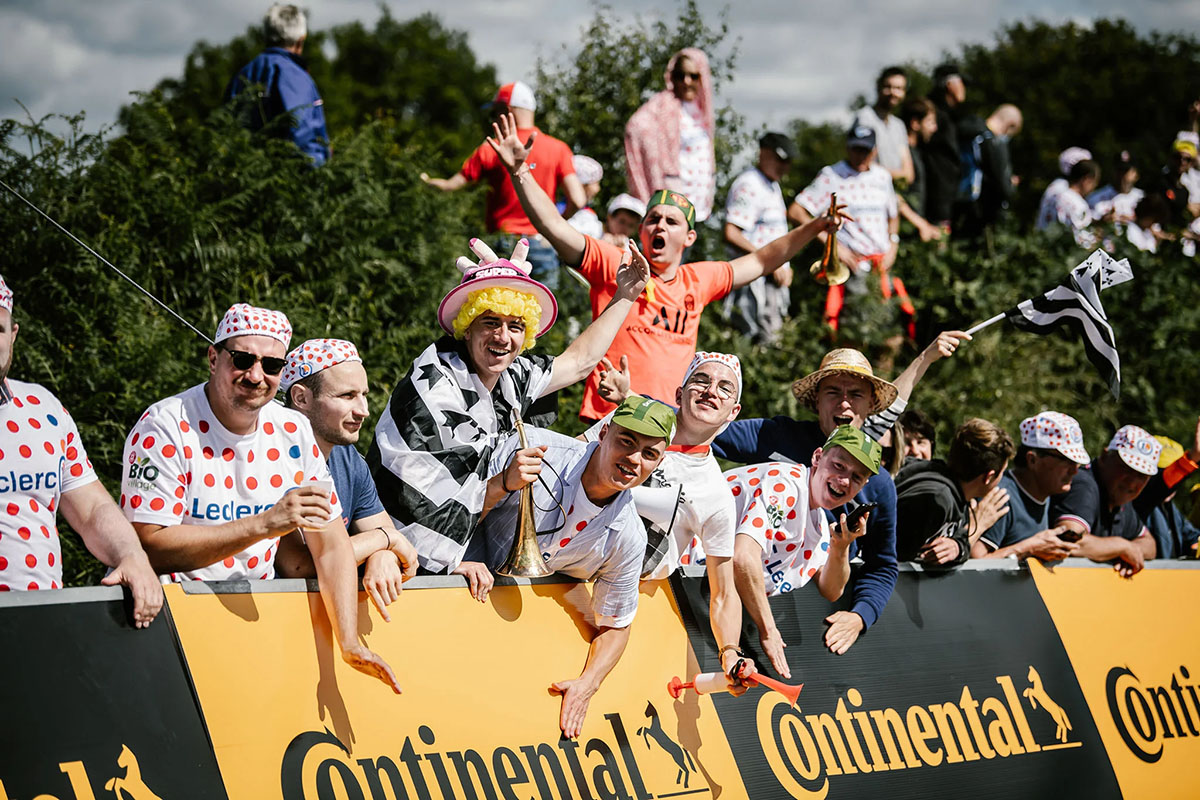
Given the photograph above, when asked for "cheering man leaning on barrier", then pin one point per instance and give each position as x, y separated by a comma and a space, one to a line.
325, 381
702, 511
784, 539
586, 523
433, 442
54, 471
218, 473
659, 339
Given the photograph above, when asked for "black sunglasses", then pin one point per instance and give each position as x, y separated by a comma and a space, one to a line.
244, 361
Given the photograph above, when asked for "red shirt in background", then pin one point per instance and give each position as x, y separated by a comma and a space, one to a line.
549, 162
658, 338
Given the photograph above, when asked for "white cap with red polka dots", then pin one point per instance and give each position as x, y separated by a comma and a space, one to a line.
6, 296
243, 319
1051, 430
1137, 448
315, 355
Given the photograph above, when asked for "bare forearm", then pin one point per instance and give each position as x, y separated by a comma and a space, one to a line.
724, 605
773, 255
179, 548
1148, 547
605, 651
748, 578
582, 355
338, 579
835, 574
543, 213
1101, 548
737, 237
101, 525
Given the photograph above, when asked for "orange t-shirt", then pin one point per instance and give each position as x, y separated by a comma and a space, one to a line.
658, 338
549, 162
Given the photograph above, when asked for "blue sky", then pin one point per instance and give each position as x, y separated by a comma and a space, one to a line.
797, 59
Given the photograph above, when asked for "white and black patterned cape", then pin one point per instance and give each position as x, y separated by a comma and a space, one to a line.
433, 442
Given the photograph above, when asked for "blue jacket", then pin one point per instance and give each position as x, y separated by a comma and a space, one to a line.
753, 441
1173, 534
288, 88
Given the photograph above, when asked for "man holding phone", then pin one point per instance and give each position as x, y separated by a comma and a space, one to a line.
783, 537
1047, 459
218, 473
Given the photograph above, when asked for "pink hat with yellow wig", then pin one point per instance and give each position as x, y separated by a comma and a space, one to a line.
494, 272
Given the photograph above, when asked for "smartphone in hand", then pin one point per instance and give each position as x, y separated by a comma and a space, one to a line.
858, 513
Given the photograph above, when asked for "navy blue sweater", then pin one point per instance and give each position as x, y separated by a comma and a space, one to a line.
753, 441
288, 88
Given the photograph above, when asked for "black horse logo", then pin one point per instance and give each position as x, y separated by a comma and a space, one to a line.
681, 757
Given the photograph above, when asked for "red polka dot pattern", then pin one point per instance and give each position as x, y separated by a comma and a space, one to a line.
315, 355
236, 476
39, 437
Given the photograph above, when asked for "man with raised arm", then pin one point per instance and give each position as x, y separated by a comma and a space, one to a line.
659, 339
325, 381
55, 473
586, 523
218, 473
433, 442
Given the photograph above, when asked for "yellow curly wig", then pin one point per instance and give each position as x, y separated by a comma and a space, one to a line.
500, 300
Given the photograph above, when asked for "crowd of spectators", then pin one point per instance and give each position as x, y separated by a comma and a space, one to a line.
225, 483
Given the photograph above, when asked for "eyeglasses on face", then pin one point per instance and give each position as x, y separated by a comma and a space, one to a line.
725, 389
243, 361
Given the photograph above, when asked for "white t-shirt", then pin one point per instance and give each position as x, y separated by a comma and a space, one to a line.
755, 204
704, 515
1141, 238
696, 179
1046, 214
41, 457
1191, 182
871, 200
1122, 204
1069, 208
891, 139
704, 512
185, 467
771, 504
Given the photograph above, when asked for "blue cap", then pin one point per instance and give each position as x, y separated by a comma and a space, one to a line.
861, 136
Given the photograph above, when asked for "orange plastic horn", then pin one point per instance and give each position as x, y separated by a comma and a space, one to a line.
792, 693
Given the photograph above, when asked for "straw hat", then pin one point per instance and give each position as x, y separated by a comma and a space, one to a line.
845, 361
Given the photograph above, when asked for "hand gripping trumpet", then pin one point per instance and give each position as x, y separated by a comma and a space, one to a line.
525, 558
830, 270
709, 682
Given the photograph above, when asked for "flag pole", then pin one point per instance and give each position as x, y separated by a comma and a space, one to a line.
986, 323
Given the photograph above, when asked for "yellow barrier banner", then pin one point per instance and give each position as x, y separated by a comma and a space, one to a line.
288, 719
1135, 647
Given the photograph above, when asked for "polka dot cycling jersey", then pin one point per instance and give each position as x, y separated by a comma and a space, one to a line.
41, 457
772, 508
182, 466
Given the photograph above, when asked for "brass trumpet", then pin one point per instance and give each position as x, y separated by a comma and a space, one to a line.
830, 270
525, 558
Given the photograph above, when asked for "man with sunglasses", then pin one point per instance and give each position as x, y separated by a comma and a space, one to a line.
586, 523
1049, 456
218, 473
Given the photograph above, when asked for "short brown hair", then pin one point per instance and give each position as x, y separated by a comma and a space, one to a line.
979, 447
915, 108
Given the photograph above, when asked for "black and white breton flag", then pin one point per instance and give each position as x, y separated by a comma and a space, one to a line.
434, 440
1075, 303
